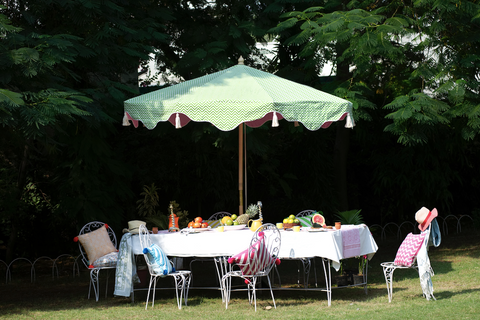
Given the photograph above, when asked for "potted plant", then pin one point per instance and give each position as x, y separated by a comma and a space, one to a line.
341, 279
350, 217
147, 209
362, 264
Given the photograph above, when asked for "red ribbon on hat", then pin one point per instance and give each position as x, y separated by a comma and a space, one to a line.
422, 226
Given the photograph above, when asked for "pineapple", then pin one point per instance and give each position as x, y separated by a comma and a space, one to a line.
251, 212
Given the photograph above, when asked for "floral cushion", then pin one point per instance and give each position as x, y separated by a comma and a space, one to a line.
108, 260
157, 260
96, 244
260, 258
408, 249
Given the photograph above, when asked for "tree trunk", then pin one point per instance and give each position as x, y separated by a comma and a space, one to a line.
22, 174
342, 140
340, 165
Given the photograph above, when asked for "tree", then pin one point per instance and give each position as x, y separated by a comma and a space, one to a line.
64, 74
411, 69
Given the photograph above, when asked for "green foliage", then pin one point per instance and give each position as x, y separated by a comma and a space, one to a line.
350, 217
147, 206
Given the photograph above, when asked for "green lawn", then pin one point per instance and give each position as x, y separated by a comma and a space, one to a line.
456, 283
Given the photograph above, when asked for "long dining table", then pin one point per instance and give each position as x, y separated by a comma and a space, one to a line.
327, 244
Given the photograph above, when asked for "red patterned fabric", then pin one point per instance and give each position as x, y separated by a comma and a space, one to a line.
408, 249
260, 258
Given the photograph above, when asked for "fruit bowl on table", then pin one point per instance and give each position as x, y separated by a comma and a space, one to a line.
290, 225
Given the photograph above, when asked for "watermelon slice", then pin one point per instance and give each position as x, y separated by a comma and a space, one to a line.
318, 219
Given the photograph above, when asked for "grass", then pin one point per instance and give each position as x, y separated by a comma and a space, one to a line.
456, 284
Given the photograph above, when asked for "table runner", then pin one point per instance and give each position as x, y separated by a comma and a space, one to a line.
351, 241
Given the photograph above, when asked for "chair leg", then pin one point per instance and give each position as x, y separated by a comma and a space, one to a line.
226, 282
155, 279
271, 292
307, 264
179, 284
187, 281
148, 294
388, 272
106, 285
94, 282
253, 297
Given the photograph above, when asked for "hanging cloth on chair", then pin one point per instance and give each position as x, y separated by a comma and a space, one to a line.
425, 271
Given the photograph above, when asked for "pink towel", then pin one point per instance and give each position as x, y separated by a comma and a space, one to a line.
351, 242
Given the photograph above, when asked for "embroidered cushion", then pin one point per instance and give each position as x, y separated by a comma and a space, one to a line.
108, 260
408, 249
96, 244
260, 258
158, 261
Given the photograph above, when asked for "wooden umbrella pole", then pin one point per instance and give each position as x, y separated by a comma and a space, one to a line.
240, 168
245, 172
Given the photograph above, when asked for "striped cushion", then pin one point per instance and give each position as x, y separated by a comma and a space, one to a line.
158, 261
408, 249
260, 258
306, 221
213, 223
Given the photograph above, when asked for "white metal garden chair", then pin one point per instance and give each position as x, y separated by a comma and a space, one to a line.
181, 279
255, 262
390, 267
108, 265
216, 216
306, 262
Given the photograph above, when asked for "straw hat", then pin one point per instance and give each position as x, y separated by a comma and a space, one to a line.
133, 226
424, 217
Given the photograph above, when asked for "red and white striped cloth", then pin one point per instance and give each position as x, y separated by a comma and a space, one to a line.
260, 258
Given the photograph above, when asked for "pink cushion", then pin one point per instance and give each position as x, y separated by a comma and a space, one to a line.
408, 249
260, 258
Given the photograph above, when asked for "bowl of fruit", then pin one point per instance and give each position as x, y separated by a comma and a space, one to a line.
198, 224
290, 222
232, 222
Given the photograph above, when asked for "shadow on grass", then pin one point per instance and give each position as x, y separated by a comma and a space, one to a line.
68, 293
450, 294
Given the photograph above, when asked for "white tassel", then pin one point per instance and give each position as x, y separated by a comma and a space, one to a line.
125, 122
350, 123
177, 122
275, 120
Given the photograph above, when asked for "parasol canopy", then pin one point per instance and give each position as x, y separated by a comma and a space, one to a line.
237, 95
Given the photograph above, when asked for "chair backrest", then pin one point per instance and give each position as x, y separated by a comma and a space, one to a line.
157, 262
144, 236
268, 239
92, 226
219, 215
305, 213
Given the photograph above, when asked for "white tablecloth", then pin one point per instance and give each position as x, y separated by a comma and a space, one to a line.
303, 244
